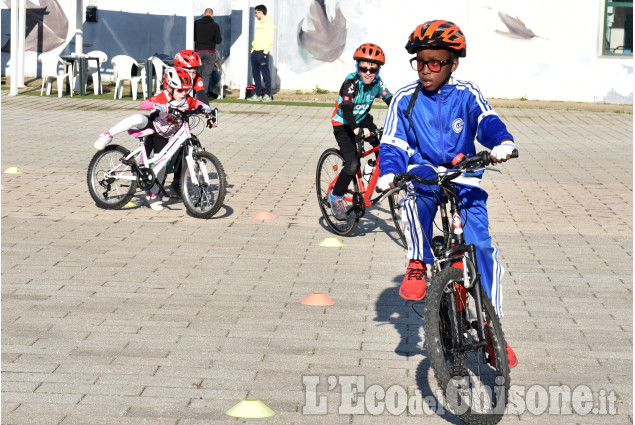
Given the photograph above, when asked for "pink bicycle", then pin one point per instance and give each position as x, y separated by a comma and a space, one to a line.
115, 173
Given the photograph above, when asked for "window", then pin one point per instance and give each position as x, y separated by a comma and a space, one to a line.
618, 28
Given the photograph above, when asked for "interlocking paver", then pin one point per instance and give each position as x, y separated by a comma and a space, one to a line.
134, 316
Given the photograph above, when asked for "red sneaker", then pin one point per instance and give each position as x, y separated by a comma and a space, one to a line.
511, 356
413, 287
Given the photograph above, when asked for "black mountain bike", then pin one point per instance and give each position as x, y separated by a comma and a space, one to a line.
464, 338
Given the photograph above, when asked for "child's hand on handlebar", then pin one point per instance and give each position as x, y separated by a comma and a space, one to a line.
212, 117
502, 152
160, 107
386, 182
365, 130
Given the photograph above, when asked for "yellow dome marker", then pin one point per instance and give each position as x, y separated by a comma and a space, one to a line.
130, 204
13, 170
331, 243
250, 408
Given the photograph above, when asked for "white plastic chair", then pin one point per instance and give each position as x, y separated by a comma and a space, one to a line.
50, 70
222, 80
159, 68
122, 71
94, 71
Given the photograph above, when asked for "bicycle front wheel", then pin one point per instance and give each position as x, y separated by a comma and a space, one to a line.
111, 184
203, 198
396, 207
475, 380
330, 164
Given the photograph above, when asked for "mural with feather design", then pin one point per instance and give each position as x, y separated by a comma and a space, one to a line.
46, 26
516, 27
327, 39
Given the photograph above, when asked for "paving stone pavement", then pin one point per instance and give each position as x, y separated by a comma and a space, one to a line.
143, 317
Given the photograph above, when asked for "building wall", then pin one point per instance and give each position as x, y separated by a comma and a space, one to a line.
543, 49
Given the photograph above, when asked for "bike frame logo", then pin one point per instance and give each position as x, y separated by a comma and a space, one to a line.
356, 398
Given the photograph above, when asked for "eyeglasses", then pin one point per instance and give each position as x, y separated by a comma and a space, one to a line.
433, 65
363, 70
181, 90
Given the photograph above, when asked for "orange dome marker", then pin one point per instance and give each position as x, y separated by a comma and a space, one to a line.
263, 215
317, 298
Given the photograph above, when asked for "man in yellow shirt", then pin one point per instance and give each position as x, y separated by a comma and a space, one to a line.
260, 48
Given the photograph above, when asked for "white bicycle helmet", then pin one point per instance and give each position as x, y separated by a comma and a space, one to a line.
178, 78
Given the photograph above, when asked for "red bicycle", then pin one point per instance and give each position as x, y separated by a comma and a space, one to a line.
359, 193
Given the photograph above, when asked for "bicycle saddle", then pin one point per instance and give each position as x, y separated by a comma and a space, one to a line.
141, 133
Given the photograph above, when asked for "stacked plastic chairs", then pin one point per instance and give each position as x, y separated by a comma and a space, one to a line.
51, 70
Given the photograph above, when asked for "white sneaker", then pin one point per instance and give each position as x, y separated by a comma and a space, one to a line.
155, 202
102, 141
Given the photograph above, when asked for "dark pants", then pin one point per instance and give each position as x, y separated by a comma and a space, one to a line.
260, 65
155, 143
348, 148
207, 66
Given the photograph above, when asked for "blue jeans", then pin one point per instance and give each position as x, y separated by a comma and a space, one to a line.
213, 80
260, 65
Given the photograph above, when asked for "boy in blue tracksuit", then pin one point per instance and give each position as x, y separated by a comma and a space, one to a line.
429, 122
352, 115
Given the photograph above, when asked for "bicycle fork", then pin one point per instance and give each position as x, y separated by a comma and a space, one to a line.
466, 252
189, 160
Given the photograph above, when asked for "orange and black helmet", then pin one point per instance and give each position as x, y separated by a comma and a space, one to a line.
437, 34
370, 52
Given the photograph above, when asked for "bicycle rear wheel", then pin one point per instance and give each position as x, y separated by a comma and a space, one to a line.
110, 183
396, 207
475, 381
330, 164
202, 199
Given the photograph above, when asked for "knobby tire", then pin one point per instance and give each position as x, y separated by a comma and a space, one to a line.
330, 164
396, 207
111, 194
204, 201
475, 390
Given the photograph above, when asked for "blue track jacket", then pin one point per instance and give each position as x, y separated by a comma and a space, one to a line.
444, 124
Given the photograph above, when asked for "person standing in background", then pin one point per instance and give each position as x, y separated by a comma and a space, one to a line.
260, 48
206, 36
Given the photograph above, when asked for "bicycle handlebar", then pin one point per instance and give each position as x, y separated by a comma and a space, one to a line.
212, 116
189, 112
481, 159
465, 164
359, 138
